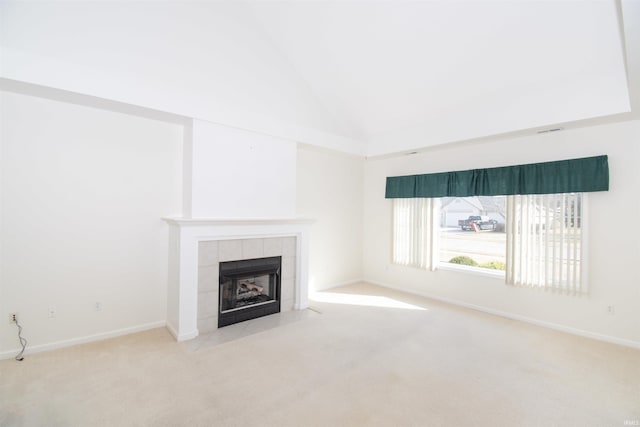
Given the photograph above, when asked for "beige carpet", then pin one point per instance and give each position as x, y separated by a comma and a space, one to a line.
420, 363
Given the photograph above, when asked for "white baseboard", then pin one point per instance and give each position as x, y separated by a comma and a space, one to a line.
550, 325
345, 283
82, 340
172, 330
112, 334
184, 337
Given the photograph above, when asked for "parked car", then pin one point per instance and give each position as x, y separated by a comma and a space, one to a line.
477, 223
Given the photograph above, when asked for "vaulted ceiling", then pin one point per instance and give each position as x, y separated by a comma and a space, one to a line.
410, 74
370, 77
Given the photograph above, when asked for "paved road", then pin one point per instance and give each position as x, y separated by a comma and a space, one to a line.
483, 246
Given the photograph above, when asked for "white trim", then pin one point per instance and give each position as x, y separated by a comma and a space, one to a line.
172, 330
199, 222
347, 282
183, 337
584, 244
335, 285
562, 328
82, 340
478, 271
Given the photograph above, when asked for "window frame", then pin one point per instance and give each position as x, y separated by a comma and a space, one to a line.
501, 274
478, 271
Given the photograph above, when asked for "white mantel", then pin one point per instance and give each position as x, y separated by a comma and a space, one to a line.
185, 235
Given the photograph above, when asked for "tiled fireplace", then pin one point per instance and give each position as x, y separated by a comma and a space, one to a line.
198, 246
213, 252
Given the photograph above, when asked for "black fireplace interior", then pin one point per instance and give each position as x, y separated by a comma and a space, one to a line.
249, 288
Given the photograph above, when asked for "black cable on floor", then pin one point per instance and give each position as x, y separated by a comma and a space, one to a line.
23, 342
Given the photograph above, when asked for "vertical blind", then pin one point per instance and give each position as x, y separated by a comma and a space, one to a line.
545, 216
545, 241
413, 238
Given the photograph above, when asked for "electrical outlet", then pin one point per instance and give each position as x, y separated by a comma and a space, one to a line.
13, 317
52, 311
611, 309
98, 306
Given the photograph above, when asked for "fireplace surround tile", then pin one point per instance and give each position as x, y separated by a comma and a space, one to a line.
211, 253
287, 285
208, 277
208, 324
208, 253
273, 246
289, 247
288, 267
286, 305
252, 248
207, 304
229, 250
199, 243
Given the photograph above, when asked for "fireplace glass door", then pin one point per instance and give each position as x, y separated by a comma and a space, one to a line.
244, 291
248, 289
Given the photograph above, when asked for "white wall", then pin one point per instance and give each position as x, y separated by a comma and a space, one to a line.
207, 60
82, 193
241, 174
330, 191
614, 242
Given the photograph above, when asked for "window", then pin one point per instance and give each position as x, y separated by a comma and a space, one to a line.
544, 227
545, 241
472, 232
537, 240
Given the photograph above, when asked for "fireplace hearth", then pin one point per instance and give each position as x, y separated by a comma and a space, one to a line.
249, 289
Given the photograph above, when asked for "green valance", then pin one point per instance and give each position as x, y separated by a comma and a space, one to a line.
565, 176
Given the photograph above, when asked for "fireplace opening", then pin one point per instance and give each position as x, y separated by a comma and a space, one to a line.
249, 289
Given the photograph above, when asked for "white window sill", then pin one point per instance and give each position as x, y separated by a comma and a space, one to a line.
485, 272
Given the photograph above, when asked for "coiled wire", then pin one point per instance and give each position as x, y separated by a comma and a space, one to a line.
23, 342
